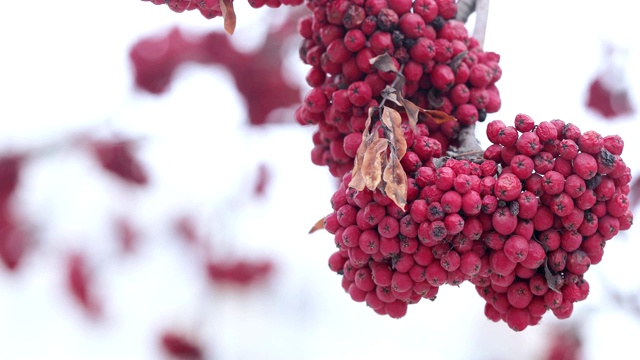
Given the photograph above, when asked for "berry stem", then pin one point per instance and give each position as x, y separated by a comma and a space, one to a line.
469, 154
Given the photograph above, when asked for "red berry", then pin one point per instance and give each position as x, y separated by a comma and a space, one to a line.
590, 142
546, 132
524, 123
508, 187
500, 263
585, 166
442, 77
518, 319
516, 248
535, 256
529, 143
519, 294
522, 166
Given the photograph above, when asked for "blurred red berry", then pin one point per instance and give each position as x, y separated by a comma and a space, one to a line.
239, 272
9, 175
14, 240
116, 157
180, 347
79, 283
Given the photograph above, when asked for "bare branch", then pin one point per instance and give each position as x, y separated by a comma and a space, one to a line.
465, 9
482, 15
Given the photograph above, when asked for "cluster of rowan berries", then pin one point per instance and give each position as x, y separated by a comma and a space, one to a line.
211, 8
208, 8
523, 226
564, 192
443, 68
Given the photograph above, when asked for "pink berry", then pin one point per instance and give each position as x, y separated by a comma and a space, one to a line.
516, 248
519, 294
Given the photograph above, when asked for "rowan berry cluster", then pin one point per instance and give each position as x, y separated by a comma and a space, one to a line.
523, 226
386, 256
443, 68
562, 195
208, 8
211, 8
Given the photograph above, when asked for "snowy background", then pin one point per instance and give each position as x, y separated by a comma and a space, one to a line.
64, 68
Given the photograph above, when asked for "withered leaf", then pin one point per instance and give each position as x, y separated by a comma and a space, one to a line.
357, 179
412, 111
391, 94
396, 181
229, 16
383, 63
440, 117
392, 120
317, 226
372, 163
554, 281
455, 62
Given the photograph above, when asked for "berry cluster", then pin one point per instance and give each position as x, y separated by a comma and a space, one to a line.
562, 194
239, 272
155, 60
386, 255
211, 8
443, 68
274, 3
523, 226
208, 8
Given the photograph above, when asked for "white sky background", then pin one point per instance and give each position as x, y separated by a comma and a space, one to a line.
65, 68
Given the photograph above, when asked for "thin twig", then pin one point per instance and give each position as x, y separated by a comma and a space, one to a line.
465, 9
482, 15
470, 153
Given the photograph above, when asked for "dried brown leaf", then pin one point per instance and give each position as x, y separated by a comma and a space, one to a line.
372, 163
357, 179
554, 281
392, 120
412, 111
317, 226
391, 94
229, 16
384, 63
440, 117
396, 181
